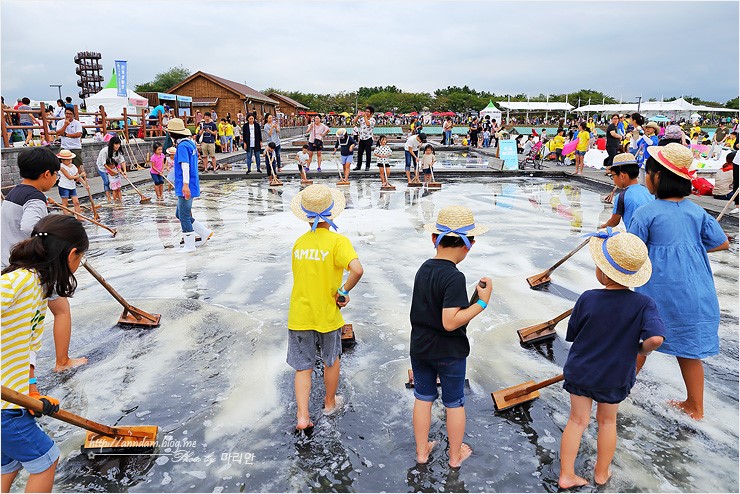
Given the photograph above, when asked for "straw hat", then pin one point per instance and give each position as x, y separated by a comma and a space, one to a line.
654, 126
171, 150
317, 198
627, 263
341, 132
177, 126
452, 219
66, 154
624, 159
674, 157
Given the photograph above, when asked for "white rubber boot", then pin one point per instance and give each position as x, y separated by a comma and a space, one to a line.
189, 243
203, 232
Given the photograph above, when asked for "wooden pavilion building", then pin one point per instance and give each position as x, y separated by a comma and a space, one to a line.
210, 92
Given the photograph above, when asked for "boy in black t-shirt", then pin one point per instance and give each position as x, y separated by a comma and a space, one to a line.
440, 312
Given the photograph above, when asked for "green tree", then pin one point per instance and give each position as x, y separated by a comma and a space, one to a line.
165, 80
733, 103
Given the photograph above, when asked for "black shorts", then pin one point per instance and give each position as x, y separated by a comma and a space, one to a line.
316, 145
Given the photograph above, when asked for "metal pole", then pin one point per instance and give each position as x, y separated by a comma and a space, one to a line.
59, 88
639, 102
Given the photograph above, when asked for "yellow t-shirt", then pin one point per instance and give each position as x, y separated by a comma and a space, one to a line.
583, 138
730, 142
591, 125
319, 261
228, 130
559, 142
23, 313
221, 128
695, 130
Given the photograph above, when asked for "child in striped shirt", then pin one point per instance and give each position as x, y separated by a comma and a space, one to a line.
39, 266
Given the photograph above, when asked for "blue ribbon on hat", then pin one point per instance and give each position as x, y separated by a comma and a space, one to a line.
461, 231
319, 217
609, 233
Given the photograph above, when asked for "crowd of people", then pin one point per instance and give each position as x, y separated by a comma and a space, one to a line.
662, 250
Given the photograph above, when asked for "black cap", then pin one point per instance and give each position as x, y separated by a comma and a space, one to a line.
423, 137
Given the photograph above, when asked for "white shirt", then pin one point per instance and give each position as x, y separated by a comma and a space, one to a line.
413, 143
59, 112
65, 182
251, 135
302, 158
74, 127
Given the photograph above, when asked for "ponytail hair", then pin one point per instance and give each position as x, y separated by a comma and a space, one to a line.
47, 253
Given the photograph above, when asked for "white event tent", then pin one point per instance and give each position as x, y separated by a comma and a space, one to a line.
528, 106
677, 109
491, 111
114, 104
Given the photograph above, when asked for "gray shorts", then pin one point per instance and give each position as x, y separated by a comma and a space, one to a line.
303, 346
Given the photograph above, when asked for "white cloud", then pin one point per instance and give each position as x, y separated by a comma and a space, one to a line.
628, 48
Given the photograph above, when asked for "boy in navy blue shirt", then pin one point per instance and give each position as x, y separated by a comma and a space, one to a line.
624, 171
440, 312
608, 328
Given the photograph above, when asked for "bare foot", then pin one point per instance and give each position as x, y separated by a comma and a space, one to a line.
338, 404
303, 423
570, 481
465, 452
689, 410
424, 457
600, 480
70, 364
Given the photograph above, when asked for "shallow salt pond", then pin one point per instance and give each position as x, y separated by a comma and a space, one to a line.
214, 377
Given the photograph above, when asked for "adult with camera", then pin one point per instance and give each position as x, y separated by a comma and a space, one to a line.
366, 127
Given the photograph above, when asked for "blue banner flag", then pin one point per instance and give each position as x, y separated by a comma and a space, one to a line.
121, 78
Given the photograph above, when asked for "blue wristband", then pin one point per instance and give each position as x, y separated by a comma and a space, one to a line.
342, 292
482, 303
32, 380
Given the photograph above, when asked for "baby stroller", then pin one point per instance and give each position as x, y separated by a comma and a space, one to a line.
533, 158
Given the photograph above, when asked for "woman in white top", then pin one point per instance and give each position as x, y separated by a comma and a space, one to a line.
383, 154
316, 132
112, 151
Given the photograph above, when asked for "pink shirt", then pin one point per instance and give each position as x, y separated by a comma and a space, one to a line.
157, 163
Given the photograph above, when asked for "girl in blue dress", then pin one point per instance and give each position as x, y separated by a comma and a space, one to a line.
678, 234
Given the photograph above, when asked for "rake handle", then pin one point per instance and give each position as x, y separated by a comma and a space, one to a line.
132, 185
534, 387
727, 205
548, 324
567, 256
54, 203
29, 403
110, 289
92, 203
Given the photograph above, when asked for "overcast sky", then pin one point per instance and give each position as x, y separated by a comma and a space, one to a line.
625, 49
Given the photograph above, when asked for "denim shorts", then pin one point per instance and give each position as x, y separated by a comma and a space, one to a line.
451, 372
157, 179
66, 193
580, 153
427, 171
303, 346
347, 160
25, 444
